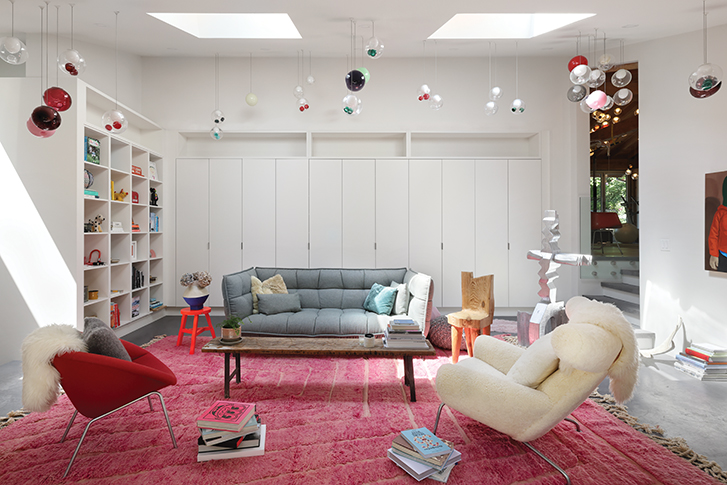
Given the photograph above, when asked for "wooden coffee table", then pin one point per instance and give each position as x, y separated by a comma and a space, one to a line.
339, 347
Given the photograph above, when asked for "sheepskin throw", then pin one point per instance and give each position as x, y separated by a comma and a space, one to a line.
40, 378
623, 374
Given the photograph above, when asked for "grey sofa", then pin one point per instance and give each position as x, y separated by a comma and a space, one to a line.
331, 300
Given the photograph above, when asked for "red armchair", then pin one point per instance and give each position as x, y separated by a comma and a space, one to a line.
605, 222
98, 385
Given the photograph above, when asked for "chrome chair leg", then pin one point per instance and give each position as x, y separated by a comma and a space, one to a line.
69, 425
436, 423
148, 396
562, 472
151, 407
578, 426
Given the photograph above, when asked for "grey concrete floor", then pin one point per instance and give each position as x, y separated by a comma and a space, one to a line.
681, 405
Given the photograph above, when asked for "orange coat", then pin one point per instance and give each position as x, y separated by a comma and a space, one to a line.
718, 232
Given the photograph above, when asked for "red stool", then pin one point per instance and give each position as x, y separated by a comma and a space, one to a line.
194, 331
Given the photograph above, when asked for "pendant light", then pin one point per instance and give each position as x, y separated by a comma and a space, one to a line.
44, 120
114, 120
605, 62
302, 101
495, 91
56, 97
424, 92
218, 117
518, 105
12, 49
490, 106
580, 73
71, 61
598, 98
251, 98
436, 101
374, 47
597, 76
351, 104
706, 80
310, 79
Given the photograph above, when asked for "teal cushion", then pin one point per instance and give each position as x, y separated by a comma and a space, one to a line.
380, 299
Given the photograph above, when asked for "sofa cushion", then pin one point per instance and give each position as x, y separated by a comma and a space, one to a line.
101, 340
380, 299
274, 284
402, 298
278, 303
536, 363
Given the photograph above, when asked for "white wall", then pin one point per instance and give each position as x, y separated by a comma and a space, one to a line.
681, 139
179, 94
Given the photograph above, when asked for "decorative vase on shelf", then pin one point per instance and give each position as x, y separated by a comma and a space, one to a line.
195, 296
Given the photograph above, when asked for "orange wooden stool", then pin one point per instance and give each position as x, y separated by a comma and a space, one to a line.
194, 331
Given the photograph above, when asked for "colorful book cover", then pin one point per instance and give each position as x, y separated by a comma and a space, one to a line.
93, 150
226, 415
425, 442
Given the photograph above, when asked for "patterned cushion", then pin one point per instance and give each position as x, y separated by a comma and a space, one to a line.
440, 334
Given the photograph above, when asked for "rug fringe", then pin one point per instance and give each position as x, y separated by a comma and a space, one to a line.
154, 340
676, 445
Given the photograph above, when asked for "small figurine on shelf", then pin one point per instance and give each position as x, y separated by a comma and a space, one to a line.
95, 224
120, 195
153, 197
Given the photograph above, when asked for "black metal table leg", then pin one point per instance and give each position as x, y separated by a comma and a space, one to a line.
409, 376
237, 365
227, 375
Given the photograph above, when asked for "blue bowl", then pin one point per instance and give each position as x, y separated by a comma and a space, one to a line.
196, 302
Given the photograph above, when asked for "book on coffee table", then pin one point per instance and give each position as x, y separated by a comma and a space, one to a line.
226, 415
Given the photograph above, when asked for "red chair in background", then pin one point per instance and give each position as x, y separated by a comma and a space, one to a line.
605, 222
98, 385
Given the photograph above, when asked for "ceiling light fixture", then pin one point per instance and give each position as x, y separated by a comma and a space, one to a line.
518, 105
218, 117
374, 47
706, 80
436, 101
251, 99
114, 120
44, 120
504, 25
424, 90
56, 97
71, 61
491, 106
12, 49
232, 25
355, 80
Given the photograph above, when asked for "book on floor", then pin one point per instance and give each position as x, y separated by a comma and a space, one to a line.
226, 415
442, 476
236, 452
425, 442
418, 470
214, 436
402, 447
250, 440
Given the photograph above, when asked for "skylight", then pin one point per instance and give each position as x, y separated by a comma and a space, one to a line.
232, 25
504, 25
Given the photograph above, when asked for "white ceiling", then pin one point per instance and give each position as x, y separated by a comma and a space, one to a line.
402, 25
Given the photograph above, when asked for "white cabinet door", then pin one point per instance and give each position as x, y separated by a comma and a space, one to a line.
192, 219
225, 223
258, 213
392, 213
359, 214
425, 221
325, 214
458, 227
491, 226
291, 213
525, 222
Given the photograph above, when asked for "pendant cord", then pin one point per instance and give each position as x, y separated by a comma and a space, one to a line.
217, 81
41, 52
72, 5
436, 70
495, 76
250, 66
704, 29
12, 18
116, 58
424, 61
57, 39
490, 64
517, 74
310, 63
47, 44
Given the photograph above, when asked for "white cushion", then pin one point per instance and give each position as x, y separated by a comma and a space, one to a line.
274, 284
402, 298
536, 364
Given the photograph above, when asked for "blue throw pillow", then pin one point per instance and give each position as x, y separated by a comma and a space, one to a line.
380, 299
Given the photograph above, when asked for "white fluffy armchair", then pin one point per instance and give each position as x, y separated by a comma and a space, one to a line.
525, 392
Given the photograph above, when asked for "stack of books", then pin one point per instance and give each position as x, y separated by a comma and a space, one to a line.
703, 361
230, 430
115, 315
135, 306
90, 194
422, 455
155, 304
404, 333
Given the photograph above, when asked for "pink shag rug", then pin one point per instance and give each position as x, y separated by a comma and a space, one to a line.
329, 421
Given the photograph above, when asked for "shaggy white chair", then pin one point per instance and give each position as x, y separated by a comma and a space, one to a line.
524, 393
